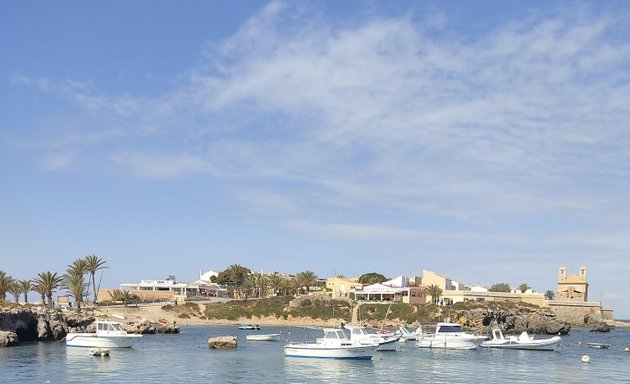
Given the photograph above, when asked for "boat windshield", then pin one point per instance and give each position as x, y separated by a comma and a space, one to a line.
117, 327
450, 329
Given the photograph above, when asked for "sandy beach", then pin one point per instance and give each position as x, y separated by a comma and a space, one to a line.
154, 312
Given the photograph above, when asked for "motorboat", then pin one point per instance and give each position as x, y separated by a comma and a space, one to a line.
109, 334
267, 337
598, 345
387, 341
523, 341
447, 336
407, 335
334, 345
249, 327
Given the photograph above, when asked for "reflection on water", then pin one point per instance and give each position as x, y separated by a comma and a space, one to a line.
186, 358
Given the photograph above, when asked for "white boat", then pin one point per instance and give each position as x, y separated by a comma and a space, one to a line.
448, 336
387, 341
598, 345
407, 335
334, 345
109, 334
267, 337
524, 341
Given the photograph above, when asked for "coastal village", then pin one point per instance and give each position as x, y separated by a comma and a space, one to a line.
570, 300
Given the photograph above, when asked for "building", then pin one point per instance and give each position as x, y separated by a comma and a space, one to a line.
397, 289
169, 289
340, 287
572, 287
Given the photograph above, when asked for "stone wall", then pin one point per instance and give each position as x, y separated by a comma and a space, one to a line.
578, 313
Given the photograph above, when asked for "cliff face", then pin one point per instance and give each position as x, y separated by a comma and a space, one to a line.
34, 323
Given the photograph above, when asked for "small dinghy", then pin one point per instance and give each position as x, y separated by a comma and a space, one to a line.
598, 345
268, 337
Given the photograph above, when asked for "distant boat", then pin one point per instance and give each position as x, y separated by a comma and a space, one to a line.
448, 336
334, 345
524, 341
387, 341
249, 327
598, 345
268, 337
109, 334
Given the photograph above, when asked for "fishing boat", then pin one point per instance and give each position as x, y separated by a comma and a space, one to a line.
109, 334
334, 345
249, 327
447, 336
267, 337
523, 341
387, 341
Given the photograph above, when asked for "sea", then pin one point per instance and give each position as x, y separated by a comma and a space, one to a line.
186, 358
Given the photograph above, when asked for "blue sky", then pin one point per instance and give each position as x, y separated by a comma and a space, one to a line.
483, 140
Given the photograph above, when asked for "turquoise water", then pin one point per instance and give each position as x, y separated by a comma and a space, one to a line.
186, 358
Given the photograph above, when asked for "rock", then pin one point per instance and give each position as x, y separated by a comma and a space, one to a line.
8, 339
34, 323
143, 328
602, 326
222, 342
169, 328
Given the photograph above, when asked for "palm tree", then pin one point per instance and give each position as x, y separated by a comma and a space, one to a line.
307, 279
275, 281
5, 284
435, 292
15, 290
78, 268
39, 289
94, 264
48, 282
26, 286
74, 284
523, 287
237, 275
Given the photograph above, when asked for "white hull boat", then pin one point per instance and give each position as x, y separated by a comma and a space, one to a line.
523, 342
109, 334
449, 336
268, 337
407, 335
387, 341
334, 345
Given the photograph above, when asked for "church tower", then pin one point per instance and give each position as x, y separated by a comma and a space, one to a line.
572, 287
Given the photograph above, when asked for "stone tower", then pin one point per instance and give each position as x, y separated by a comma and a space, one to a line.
572, 287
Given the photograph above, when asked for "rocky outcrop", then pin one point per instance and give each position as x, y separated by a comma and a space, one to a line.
602, 326
513, 320
142, 327
169, 328
222, 342
34, 323
8, 339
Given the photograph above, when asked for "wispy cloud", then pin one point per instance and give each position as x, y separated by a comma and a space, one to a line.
396, 112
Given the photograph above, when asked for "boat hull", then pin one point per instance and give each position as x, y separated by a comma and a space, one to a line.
536, 345
92, 340
463, 343
269, 337
354, 352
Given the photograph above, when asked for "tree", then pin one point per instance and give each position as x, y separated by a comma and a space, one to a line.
306, 279
500, 287
435, 292
26, 286
275, 281
5, 284
15, 290
523, 287
549, 295
94, 264
372, 278
47, 282
234, 277
74, 284
123, 295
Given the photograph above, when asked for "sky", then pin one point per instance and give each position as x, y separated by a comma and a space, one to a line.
487, 141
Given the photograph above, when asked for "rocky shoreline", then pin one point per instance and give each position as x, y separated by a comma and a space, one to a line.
27, 324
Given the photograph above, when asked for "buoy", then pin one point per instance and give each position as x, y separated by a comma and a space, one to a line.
579, 343
626, 349
586, 359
